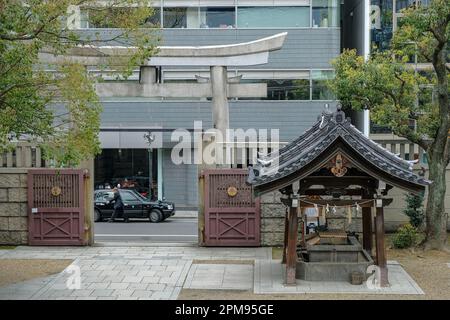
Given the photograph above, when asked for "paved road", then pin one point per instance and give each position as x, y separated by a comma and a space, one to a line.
171, 230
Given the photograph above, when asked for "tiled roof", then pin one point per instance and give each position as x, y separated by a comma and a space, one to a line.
330, 128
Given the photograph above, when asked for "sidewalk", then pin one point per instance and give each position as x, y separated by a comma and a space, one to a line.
185, 214
118, 272
161, 272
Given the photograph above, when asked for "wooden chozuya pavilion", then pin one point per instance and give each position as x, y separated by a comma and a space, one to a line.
333, 165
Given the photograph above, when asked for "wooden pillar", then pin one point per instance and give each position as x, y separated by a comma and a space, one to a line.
367, 229
88, 166
285, 239
291, 255
380, 246
302, 213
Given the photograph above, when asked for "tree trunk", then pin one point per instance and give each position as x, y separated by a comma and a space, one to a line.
438, 153
436, 217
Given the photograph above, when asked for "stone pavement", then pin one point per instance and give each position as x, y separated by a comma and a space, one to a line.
119, 272
269, 275
158, 272
220, 277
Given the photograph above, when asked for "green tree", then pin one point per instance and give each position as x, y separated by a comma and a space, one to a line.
54, 103
414, 209
390, 88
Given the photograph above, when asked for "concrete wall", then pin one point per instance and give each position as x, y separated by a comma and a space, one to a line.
13, 207
394, 212
292, 118
179, 182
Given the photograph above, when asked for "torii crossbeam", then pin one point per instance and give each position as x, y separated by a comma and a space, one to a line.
217, 57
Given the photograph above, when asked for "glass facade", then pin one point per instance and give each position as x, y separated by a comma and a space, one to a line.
277, 17
325, 13
403, 4
284, 89
178, 17
131, 168
217, 17
381, 24
319, 87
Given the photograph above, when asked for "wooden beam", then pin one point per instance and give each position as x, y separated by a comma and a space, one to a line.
329, 192
380, 247
286, 232
367, 229
291, 255
362, 202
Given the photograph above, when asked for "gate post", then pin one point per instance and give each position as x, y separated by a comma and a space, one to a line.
88, 196
380, 246
291, 255
201, 207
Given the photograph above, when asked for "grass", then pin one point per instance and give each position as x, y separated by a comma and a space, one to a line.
18, 270
7, 247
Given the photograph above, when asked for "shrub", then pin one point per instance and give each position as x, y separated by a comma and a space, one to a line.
414, 209
405, 237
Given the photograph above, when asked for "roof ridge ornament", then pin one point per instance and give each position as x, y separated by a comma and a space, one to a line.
339, 115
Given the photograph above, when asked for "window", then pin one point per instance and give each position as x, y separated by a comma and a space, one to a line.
154, 21
325, 13
376, 128
283, 89
403, 4
287, 89
128, 196
320, 90
108, 18
273, 17
217, 17
180, 17
381, 24
122, 166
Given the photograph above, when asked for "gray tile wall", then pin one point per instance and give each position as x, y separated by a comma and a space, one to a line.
290, 117
308, 48
303, 48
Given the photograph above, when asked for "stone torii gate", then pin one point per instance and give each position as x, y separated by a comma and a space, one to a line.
217, 57
218, 87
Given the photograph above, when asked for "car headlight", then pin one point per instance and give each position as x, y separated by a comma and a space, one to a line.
170, 206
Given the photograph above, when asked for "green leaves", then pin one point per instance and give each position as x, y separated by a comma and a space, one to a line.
56, 105
391, 89
382, 85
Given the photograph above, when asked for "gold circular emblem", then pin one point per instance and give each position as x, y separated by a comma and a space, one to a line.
56, 191
232, 191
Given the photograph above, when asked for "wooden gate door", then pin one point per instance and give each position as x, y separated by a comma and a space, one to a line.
55, 207
232, 215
